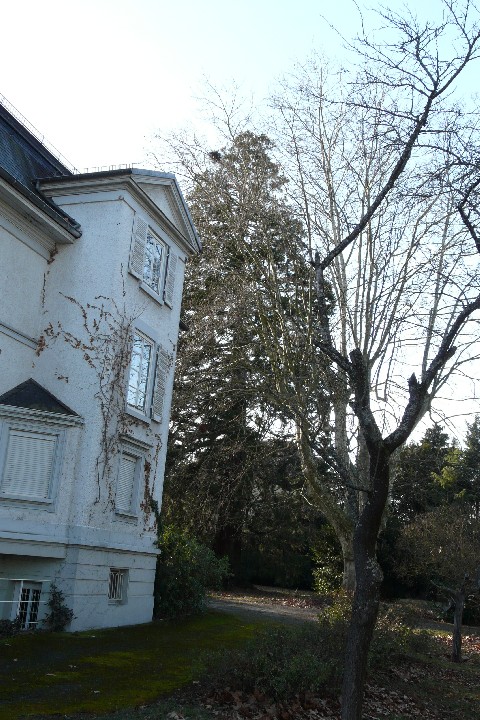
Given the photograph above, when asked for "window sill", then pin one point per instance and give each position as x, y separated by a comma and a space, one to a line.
148, 290
129, 517
138, 414
26, 501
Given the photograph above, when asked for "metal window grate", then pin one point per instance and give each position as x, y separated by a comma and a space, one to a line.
28, 607
117, 585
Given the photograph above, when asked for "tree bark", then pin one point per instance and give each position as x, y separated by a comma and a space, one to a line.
457, 626
348, 582
367, 592
362, 624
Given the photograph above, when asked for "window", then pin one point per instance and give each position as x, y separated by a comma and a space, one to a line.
140, 371
28, 594
126, 484
117, 586
30, 460
153, 262
149, 367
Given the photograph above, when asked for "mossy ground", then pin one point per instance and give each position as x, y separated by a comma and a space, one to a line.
104, 670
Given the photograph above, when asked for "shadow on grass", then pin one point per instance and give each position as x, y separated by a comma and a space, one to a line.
107, 670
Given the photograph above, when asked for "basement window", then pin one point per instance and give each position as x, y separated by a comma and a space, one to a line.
117, 586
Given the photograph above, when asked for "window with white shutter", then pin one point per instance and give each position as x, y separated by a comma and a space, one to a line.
170, 279
29, 464
150, 365
163, 364
126, 484
153, 262
139, 241
139, 377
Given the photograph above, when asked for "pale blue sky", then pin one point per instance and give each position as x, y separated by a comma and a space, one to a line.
98, 77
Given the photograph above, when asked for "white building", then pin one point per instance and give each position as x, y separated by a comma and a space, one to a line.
90, 285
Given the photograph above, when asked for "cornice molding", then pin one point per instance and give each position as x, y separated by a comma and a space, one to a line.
76, 185
12, 412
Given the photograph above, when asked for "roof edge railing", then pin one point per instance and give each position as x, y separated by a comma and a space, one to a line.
37, 134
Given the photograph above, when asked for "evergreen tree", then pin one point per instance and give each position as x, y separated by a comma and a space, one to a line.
225, 470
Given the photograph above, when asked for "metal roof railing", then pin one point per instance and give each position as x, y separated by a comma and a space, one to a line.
37, 134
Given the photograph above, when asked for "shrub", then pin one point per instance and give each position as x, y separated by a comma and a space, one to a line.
327, 560
60, 615
8, 628
186, 569
284, 662
279, 663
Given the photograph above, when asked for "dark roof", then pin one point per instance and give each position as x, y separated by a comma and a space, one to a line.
33, 396
24, 160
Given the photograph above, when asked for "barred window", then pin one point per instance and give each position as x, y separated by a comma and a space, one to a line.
117, 585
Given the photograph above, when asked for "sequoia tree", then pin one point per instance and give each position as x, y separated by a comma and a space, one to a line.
224, 459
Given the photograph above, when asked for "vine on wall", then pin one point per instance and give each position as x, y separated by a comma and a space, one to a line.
105, 345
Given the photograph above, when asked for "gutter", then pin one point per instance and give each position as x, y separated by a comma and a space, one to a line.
65, 221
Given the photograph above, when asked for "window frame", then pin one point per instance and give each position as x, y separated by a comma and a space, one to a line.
122, 597
136, 449
45, 428
141, 229
141, 412
22, 607
157, 293
158, 376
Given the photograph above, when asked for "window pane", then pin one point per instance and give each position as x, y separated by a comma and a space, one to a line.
139, 371
152, 265
117, 585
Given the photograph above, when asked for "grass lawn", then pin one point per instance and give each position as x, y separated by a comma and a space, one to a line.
100, 671
150, 672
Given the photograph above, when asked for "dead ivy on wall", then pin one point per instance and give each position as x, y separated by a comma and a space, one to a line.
105, 345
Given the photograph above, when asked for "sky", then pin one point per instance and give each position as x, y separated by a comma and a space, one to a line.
98, 78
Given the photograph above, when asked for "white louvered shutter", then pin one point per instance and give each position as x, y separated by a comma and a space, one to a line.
139, 241
171, 276
163, 361
125, 483
29, 464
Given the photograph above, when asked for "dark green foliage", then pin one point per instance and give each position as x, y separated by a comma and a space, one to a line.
416, 487
8, 628
186, 569
428, 476
60, 615
468, 468
327, 559
230, 479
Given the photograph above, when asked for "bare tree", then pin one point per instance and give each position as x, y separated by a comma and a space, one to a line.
384, 168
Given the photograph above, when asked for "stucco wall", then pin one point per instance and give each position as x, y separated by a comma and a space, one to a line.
80, 537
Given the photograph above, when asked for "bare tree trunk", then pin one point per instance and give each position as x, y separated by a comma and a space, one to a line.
362, 624
457, 625
348, 582
367, 592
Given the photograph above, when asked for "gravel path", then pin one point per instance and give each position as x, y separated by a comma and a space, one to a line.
249, 608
